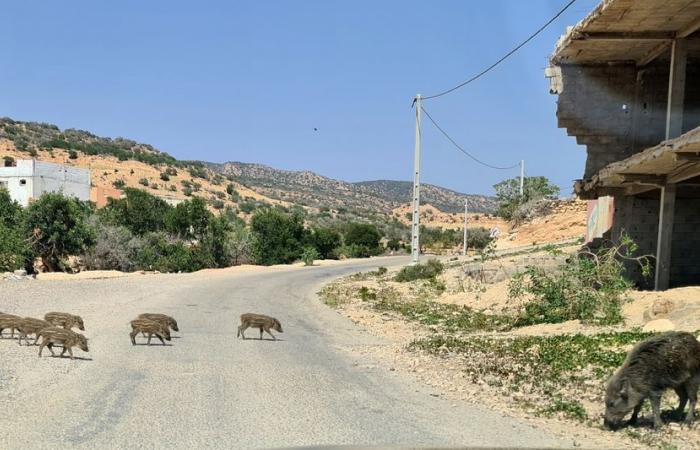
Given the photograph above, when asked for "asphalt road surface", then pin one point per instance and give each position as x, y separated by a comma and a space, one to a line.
207, 389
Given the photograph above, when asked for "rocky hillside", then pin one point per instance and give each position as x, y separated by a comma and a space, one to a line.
311, 189
161, 173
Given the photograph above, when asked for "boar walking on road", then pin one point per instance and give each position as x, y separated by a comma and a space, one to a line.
28, 326
11, 322
668, 360
162, 318
264, 323
67, 338
65, 320
150, 328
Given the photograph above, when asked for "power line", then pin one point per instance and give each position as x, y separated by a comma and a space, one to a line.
462, 149
506, 56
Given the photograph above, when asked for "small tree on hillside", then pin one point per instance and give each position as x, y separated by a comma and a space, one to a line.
363, 238
508, 193
140, 211
325, 241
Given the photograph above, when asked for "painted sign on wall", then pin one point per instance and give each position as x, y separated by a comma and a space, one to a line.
600, 217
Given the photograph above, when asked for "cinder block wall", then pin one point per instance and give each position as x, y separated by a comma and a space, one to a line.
685, 254
639, 217
614, 116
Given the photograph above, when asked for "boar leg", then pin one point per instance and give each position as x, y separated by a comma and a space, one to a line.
133, 337
682, 400
635, 413
70, 352
41, 347
691, 388
241, 330
261, 330
149, 338
655, 399
161, 339
273, 336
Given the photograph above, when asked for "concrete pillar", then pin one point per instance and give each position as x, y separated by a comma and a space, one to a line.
676, 89
665, 237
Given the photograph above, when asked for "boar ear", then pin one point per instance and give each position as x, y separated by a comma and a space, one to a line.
625, 388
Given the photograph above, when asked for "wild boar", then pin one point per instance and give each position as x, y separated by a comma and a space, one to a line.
9, 321
151, 328
65, 320
162, 318
260, 321
668, 360
67, 338
28, 326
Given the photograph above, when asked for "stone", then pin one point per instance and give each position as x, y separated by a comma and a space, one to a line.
659, 325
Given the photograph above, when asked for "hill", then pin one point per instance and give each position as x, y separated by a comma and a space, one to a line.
310, 189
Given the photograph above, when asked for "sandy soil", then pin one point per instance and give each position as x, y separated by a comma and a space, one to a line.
105, 170
677, 309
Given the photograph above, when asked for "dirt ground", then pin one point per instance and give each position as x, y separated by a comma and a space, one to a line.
675, 309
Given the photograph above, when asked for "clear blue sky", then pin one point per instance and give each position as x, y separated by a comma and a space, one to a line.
249, 81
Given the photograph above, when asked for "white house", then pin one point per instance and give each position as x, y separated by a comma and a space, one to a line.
30, 178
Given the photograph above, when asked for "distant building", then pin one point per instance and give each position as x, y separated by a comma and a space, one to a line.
29, 178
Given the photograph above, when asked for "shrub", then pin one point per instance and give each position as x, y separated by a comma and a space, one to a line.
197, 186
308, 255
165, 254
189, 219
508, 193
187, 191
140, 211
220, 195
72, 154
58, 228
363, 236
115, 248
119, 184
172, 188
239, 245
427, 271
393, 244
247, 207
14, 250
325, 241
589, 287
11, 213
478, 238
186, 184
217, 204
164, 176
199, 172
143, 181
278, 237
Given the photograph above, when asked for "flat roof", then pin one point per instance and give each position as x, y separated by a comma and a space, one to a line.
672, 161
627, 31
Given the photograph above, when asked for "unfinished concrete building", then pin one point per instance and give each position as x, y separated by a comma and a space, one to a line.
628, 81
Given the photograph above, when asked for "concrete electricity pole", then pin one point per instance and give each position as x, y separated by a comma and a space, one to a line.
415, 230
522, 177
464, 247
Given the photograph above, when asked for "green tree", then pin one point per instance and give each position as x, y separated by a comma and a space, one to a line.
140, 211
189, 219
57, 226
278, 237
14, 249
508, 193
364, 236
325, 241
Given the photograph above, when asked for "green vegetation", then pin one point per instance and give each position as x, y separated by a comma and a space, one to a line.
278, 237
58, 228
549, 368
14, 249
325, 241
589, 287
427, 271
309, 255
437, 238
508, 193
143, 181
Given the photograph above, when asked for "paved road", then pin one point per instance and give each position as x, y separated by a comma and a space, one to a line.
210, 390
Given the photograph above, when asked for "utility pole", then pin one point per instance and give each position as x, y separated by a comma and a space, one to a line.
464, 247
415, 230
522, 177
